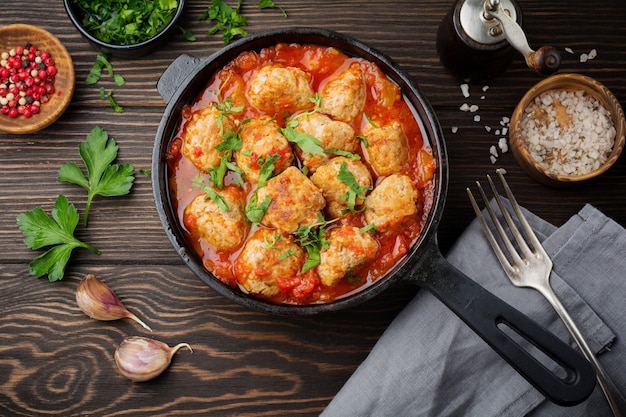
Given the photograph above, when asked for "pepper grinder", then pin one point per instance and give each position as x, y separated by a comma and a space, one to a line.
478, 39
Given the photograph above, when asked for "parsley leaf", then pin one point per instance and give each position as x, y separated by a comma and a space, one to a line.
98, 152
269, 4
306, 142
354, 188
221, 203
40, 231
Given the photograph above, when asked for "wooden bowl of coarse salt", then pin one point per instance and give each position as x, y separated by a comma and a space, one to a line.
567, 129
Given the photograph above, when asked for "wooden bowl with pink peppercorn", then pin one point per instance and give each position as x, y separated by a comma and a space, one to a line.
36, 78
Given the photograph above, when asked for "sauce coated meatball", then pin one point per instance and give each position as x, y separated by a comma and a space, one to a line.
334, 189
388, 149
278, 89
391, 203
343, 97
222, 229
261, 139
202, 134
296, 201
267, 258
332, 134
348, 249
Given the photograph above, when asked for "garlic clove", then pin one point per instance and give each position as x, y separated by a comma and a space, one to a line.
141, 359
98, 301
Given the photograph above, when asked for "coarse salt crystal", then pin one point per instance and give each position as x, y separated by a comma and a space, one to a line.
454, 129
503, 145
493, 151
477, 118
485, 88
488, 128
584, 57
592, 54
569, 50
465, 90
493, 159
473, 108
464, 107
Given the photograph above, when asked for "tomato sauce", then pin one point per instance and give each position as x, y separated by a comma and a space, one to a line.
384, 101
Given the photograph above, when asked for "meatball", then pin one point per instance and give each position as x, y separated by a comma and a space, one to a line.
224, 229
331, 133
277, 89
391, 203
343, 97
202, 134
335, 190
267, 257
261, 139
348, 249
388, 149
296, 201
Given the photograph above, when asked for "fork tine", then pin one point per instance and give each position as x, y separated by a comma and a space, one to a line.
504, 261
509, 220
530, 234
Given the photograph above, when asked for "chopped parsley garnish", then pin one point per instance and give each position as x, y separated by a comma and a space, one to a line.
255, 210
306, 142
370, 228
355, 190
124, 22
312, 239
213, 195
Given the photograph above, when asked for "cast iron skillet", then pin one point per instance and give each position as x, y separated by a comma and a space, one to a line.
424, 265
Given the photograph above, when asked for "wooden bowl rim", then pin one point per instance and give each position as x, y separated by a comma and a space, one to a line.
571, 82
20, 34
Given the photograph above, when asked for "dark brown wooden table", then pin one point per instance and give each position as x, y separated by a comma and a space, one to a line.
54, 360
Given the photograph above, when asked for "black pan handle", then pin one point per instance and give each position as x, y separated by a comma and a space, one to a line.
175, 74
484, 313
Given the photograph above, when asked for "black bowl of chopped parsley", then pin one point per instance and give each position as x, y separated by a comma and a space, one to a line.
125, 28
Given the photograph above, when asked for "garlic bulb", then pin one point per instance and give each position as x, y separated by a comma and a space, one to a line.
99, 302
140, 358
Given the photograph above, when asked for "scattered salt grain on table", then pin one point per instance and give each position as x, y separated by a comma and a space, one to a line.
454, 129
569, 133
569, 50
465, 90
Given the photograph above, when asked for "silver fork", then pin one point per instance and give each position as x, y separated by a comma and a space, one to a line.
532, 269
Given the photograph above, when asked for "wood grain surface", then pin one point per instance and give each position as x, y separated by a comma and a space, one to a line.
54, 360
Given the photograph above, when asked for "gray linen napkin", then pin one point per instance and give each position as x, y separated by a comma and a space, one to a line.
429, 363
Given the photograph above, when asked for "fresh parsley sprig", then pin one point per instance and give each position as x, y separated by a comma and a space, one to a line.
57, 231
103, 178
